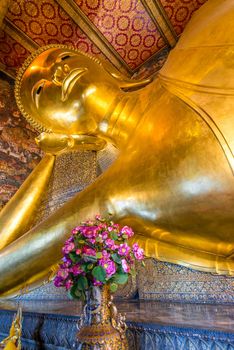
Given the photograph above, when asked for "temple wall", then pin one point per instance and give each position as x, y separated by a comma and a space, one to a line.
19, 153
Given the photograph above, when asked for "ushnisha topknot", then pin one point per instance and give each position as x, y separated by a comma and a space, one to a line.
18, 82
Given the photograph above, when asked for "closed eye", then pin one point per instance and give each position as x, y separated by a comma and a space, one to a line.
39, 90
65, 57
36, 91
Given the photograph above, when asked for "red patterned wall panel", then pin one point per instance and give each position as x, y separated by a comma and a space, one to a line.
180, 11
127, 27
47, 23
19, 153
12, 54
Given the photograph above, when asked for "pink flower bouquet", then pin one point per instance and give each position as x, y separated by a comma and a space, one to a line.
97, 253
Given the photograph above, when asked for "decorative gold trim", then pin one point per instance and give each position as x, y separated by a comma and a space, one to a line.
160, 18
94, 34
19, 36
35, 124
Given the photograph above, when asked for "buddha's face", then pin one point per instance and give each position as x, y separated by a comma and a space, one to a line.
65, 91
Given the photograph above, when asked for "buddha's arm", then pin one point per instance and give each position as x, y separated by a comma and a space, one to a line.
17, 215
30, 257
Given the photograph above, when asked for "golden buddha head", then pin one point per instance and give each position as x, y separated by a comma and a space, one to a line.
61, 90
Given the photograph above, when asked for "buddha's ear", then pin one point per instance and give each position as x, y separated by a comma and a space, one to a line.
125, 83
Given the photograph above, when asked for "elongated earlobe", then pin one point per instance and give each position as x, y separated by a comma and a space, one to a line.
133, 85
125, 83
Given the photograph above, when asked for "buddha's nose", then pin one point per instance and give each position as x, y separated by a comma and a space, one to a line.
60, 74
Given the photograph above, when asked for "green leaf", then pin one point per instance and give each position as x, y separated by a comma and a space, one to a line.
116, 258
121, 278
99, 255
99, 273
82, 283
99, 239
113, 287
114, 236
74, 292
125, 236
120, 270
74, 257
84, 267
143, 263
89, 266
83, 296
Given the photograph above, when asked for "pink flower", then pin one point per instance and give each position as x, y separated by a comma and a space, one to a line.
124, 249
110, 243
135, 247
102, 226
58, 281
88, 251
63, 273
68, 247
75, 230
105, 255
92, 240
127, 231
98, 217
89, 231
78, 251
109, 266
138, 252
104, 235
68, 284
65, 265
76, 270
125, 266
67, 261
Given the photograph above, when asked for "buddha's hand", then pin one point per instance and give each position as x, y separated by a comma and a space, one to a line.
58, 143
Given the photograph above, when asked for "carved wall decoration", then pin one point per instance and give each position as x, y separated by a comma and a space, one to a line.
19, 153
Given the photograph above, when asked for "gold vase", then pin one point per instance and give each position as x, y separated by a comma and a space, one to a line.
100, 326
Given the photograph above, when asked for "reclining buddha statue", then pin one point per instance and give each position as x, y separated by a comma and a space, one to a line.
173, 179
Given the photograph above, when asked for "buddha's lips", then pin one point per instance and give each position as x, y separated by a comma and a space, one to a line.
71, 80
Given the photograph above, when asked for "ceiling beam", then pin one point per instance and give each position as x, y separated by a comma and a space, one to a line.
6, 71
94, 34
19, 35
161, 20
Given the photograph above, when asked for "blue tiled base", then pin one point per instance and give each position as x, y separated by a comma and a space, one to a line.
58, 332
